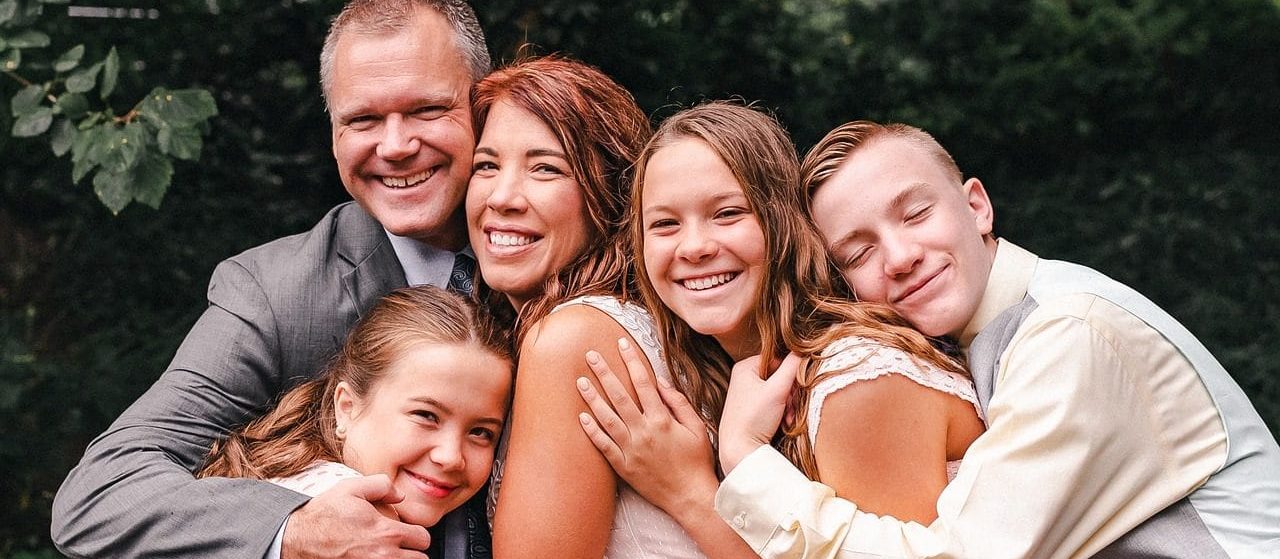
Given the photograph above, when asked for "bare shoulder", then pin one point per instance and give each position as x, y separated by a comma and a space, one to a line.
557, 345
572, 328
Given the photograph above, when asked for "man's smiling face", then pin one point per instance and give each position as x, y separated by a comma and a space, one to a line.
402, 132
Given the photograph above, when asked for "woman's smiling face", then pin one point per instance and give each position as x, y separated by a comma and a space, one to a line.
525, 210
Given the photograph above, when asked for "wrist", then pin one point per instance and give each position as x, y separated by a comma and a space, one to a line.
733, 452
694, 501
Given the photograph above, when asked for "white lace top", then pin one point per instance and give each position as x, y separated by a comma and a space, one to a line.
864, 359
317, 478
640, 529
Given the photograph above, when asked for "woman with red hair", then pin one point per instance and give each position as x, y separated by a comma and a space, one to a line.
547, 215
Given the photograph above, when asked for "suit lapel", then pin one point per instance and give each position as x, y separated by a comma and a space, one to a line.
363, 244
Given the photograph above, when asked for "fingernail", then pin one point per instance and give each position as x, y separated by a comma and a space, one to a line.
663, 381
583, 418
623, 343
583, 385
593, 357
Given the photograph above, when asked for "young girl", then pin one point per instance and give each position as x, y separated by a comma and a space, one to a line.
731, 269
418, 392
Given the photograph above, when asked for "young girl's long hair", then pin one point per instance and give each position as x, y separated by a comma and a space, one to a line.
301, 428
802, 303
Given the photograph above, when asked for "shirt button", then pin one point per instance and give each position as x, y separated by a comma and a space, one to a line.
740, 521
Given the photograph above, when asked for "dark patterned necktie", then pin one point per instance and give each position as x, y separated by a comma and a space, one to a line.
464, 269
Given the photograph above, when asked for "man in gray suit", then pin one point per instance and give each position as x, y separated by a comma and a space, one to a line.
396, 76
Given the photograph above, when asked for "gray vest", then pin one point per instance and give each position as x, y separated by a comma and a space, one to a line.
1252, 469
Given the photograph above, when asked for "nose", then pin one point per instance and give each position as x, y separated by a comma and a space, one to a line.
398, 141
696, 244
507, 194
901, 255
448, 453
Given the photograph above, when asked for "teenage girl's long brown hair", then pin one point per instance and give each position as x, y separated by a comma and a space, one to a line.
802, 305
300, 429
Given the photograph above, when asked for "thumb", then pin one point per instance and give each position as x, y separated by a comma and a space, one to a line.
785, 375
376, 489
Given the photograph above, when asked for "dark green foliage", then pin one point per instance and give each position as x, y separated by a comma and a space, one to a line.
1135, 136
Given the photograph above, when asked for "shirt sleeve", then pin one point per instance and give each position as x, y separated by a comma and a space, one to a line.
1071, 460
273, 552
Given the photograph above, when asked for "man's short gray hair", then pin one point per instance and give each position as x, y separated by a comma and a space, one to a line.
381, 17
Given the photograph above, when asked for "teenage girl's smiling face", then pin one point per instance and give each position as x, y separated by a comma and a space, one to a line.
430, 424
704, 251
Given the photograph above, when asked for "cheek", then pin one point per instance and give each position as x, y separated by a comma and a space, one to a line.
655, 266
477, 195
864, 285
572, 219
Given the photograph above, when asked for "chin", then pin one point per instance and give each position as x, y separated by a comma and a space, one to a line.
422, 516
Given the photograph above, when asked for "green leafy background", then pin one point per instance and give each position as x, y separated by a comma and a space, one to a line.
1138, 137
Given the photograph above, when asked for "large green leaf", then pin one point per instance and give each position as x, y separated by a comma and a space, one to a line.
119, 148
183, 107
70, 59
29, 39
112, 188
73, 105
33, 123
84, 79
63, 134
86, 138
110, 72
26, 100
151, 178
182, 142
145, 182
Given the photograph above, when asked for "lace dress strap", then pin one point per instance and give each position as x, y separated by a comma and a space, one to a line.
634, 319
855, 358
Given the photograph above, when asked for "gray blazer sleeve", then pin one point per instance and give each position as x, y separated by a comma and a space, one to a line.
133, 494
275, 314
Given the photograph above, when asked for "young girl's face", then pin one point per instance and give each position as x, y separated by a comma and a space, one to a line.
430, 424
704, 251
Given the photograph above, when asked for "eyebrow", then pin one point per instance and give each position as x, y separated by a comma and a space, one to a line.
427, 400
428, 99
536, 152
716, 198
896, 204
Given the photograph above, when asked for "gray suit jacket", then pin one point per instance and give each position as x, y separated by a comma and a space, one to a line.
276, 313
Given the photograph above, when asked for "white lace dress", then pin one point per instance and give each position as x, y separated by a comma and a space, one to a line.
640, 529
864, 359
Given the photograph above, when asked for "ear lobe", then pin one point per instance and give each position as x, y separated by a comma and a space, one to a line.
344, 403
979, 206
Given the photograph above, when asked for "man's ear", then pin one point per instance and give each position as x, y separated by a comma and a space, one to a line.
979, 205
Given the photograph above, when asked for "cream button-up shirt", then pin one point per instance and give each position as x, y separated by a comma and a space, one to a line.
1096, 423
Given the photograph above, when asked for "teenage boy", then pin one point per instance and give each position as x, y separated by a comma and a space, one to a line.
1112, 432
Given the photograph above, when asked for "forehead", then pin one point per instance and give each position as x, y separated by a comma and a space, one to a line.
881, 171
422, 58
509, 124
687, 170
464, 377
